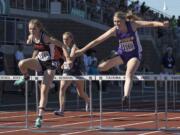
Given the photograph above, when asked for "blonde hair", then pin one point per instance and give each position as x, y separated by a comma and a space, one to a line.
37, 23
129, 16
69, 34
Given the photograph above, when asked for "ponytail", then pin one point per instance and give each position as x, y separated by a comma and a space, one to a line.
129, 16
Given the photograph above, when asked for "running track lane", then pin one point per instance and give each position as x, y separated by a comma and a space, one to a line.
77, 123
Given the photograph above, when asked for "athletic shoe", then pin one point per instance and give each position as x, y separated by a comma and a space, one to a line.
59, 113
38, 122
21, 81
87, 107
125, 100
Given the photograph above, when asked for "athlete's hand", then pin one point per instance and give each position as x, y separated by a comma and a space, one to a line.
69, 63
78, 52
29, 40
166, 23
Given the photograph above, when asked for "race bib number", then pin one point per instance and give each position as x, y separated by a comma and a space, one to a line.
55, 64
66, 65
127, 46
44, 56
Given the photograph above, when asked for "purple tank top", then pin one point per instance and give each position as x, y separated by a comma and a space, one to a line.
128, 42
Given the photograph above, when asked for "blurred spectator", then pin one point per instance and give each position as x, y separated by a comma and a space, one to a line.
178, 21
144, 69
92, 58
144, 8
85, 61
160, 32
2, 72
168, 61
173, 23
93, 70
19, 55
123, 4
137, 7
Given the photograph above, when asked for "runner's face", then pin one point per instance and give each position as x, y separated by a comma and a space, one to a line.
67, 40
117, 21
33, 29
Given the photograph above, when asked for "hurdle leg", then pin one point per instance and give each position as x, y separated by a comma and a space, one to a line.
129, 102
122, 93
166, 105
77, 102
176, 91
156, 105
37, 93
90, 104
100, 103
26, 104
174, 96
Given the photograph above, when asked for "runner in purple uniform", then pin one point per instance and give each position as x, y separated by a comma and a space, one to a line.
129, 51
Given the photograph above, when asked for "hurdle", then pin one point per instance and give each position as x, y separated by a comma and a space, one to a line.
154, 78
37, 78
14, 78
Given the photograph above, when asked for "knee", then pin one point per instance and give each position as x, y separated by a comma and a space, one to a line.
101, 68
21, 64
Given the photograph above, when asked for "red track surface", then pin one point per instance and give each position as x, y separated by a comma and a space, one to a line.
78, 123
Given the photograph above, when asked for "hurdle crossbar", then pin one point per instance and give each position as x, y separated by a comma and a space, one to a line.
102, 78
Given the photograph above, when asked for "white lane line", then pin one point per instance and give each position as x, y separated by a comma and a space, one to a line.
126, 125
71, 133
80, 132
2, 112
54, 119
114, 126
152, 132
67, 117
98, 120
63, 124
15, 116
87, 122
148, 114
149, 133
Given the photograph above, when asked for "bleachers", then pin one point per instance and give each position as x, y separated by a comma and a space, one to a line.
150, 57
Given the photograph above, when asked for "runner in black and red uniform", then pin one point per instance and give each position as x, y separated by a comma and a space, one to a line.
45, 59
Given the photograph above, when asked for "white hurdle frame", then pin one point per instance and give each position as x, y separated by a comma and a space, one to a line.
37, 92
37, 78
107, 78
14, 78
155, 78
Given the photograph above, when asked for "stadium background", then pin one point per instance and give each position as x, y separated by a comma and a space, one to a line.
86, 19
